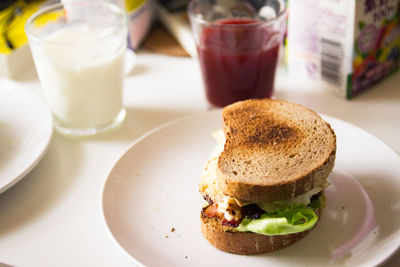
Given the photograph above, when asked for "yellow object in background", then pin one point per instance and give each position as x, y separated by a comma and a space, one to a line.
12, 23
140, 14
133, 4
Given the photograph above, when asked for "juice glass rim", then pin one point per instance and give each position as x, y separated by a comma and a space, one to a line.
29, 30
214, 23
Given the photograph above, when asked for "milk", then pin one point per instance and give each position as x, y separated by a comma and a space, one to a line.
82, 82
346, 45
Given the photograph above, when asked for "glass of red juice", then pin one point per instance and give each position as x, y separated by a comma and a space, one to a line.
238, 43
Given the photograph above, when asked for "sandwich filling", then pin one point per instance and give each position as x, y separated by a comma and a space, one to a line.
269, 218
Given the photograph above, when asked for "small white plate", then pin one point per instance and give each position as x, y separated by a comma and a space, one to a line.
153, 188
26, 127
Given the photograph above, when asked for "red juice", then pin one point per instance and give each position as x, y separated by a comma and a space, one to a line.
238, 58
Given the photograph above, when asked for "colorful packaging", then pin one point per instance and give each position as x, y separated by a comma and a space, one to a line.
348, 45
140, 13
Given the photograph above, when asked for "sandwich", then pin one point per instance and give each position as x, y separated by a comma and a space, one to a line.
264, 183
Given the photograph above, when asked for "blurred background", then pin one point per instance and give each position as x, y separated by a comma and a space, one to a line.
346, 46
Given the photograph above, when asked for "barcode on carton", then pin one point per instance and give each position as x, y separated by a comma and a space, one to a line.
331, 61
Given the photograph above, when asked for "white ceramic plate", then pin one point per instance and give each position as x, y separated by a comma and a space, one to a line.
26, 127
154, 187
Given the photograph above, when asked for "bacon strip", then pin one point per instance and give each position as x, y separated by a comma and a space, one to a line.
211, 211
250, 211
233, 223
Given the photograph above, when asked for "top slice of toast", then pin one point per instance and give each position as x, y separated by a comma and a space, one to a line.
274, 150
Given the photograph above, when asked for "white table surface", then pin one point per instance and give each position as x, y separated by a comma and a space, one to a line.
53, 216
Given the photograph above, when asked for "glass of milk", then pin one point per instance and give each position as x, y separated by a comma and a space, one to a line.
79, 49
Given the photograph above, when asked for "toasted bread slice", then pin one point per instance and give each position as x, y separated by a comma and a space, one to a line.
274, 150
229, 240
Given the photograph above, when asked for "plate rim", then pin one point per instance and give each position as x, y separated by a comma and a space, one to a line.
49, 132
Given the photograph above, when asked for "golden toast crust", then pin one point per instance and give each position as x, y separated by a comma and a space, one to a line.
274, 150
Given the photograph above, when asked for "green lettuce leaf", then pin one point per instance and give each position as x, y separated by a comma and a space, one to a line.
283, 220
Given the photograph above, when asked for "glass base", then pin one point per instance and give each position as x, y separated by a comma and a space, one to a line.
87, 132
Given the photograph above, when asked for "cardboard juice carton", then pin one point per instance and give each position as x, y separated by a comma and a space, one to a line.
347, 45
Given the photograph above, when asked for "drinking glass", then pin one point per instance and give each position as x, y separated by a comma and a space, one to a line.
79, 51
238, 43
